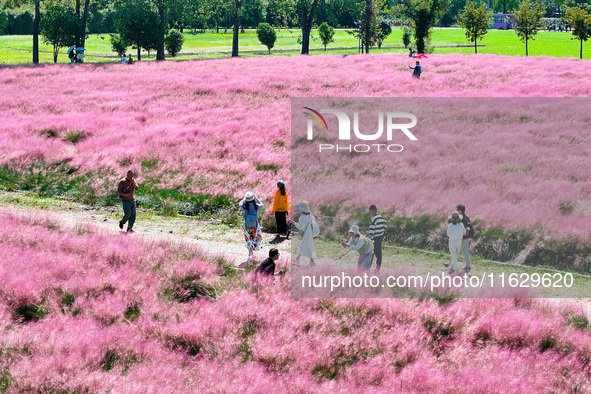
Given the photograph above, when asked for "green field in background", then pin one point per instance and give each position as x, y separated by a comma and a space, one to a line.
212, 45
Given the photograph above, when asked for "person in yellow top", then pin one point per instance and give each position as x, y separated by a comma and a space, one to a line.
281, 209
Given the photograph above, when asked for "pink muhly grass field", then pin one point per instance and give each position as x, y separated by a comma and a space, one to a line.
222, 126
96, 312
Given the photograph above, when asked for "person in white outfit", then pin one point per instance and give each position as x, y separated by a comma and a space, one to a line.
308, 225
455, 232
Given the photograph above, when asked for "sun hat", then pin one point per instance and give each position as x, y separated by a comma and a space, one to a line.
304, 206
354, 229
249, 196
455, 214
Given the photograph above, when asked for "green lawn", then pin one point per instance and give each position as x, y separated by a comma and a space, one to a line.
210, 45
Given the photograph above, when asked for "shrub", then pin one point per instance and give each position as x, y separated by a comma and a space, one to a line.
326, 33
174, 42
266, 35
406, 37
119, 44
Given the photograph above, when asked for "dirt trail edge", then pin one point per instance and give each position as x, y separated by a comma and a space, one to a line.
215, 238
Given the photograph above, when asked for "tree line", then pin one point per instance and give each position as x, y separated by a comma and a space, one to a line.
156, 24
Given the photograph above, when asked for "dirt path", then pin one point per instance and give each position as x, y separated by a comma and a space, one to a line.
213, 236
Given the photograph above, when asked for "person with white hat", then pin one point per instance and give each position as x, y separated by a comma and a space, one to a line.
281, 209
362, 245
250, 207
455, 232
308, 225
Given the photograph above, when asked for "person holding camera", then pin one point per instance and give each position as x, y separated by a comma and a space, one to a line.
127, 187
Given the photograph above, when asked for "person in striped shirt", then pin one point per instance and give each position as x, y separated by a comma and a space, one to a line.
377, 229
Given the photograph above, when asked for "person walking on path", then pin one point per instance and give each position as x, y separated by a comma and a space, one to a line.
377, 229
465, 249
281, 209
127, 187
455, 232
362, 245
309, 227
250, 207
417, 70
267, 267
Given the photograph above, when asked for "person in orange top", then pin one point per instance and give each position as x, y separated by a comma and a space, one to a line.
281, 209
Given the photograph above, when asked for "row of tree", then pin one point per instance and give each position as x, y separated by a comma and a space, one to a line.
475, 20
147, 23
214, 14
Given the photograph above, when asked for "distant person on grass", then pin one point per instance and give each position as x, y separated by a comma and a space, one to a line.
455, 232
417, 70
466, 239
123, 59
411, 53
362, 245
267, 267
377, 229
281, 209
309, 227
129, 59
250, 207
127, 187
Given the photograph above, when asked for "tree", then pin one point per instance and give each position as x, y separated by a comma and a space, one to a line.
161, 8
529, 20
306, 10
138, 24
406, 36
370, 12
174, 42
266, 35
82, 18
581, 23
326, 34
59, 28
36, 23
118, 44
424, 14
384, 30
237, 14
505, 6
475, 21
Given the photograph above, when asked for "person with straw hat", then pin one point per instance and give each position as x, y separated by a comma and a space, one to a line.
281, 209
309, 227
250, 207
362, 245
455, 232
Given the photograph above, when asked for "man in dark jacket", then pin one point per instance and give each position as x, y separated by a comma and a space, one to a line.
267, 267
465, 249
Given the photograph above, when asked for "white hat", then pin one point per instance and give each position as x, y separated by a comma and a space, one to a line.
249, 196
304, 206
354, 229
456, 214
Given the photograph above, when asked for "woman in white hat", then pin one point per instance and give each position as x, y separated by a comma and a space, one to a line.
308, 225
281, 208
455, 232
250, 207
362, 245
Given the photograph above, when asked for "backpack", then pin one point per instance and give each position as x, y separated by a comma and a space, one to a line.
469, 229
368, 242
315, 229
